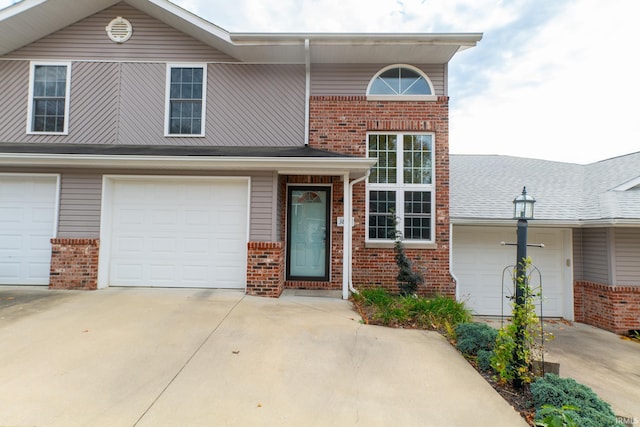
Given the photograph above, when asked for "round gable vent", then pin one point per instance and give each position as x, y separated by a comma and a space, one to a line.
119, 30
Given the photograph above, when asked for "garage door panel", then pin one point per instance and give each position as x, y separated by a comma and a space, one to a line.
27, 214
479, 261
179, 233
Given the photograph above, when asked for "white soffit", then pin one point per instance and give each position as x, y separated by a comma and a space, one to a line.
30, 20
355, 166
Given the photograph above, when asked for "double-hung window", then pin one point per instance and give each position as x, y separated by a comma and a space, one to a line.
185, 109
401, 189
49, 90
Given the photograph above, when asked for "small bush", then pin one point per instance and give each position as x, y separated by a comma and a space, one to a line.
555, 391
473, 337
377, 296
439, 313
484, 359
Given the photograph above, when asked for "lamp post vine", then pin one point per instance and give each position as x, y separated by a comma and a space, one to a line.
523, 211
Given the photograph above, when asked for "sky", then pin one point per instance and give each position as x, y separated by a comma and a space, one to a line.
551, 79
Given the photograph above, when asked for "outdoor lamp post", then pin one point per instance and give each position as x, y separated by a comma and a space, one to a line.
523, 211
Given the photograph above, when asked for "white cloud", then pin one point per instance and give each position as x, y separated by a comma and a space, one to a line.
567, 96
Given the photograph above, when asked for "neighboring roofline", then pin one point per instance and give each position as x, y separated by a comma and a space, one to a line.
590, 223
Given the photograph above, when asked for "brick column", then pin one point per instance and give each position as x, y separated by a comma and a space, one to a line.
265, 269
74, 264
613, 308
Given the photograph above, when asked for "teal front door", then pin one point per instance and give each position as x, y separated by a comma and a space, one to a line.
308, 232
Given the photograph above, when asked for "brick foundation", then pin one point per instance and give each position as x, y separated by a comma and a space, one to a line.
613, 308
265, 269
74, 264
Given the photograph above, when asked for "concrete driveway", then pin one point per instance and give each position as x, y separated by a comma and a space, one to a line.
169, 357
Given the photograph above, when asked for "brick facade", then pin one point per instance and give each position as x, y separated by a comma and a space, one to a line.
265, 269
74, 264
340, 124
614, 308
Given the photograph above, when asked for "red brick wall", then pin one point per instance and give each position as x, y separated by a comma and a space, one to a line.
74, 264
265, 269
614, 308
340, 124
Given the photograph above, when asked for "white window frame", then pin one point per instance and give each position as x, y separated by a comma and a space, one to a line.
399, 187
67, 95
167, 113
432, 97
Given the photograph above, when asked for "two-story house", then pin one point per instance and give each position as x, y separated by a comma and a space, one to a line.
141, 145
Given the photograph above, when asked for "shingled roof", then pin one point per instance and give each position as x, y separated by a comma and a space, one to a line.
605, 192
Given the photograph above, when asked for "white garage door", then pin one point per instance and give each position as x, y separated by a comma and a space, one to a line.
27, 222
479, 261
178, 232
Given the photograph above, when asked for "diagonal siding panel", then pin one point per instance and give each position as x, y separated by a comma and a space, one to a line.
93, 110
256, 104
141, 118
14, 81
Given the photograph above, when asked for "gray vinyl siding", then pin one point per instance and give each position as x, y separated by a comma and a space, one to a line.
262, 221
578, 256
80, 200
124, 103
256, 105
627, 258
151, 40
596, 255
14, 81
353, 79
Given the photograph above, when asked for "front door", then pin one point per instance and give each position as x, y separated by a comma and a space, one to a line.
308, 231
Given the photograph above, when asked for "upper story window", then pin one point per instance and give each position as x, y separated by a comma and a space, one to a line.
49, 90
185, 110
401, 83
401, 189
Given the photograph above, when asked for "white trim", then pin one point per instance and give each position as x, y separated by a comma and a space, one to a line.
431, 97
307, 90
108, 181
628, 185
357, 166
399, 188
167, 99
67, 100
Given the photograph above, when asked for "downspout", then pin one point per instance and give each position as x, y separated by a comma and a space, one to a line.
453, 276
307, 94
348, 231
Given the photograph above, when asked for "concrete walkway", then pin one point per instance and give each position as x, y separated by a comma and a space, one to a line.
601, 360
169, 357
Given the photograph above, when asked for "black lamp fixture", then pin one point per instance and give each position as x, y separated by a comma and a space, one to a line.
523, 205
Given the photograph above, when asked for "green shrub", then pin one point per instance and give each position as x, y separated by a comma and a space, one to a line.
563, 392
484, 359
473, 337
377, 296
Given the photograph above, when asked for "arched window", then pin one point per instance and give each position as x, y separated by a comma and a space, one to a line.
401, 82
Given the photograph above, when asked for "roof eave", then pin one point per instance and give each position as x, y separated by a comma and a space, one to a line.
356, 167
